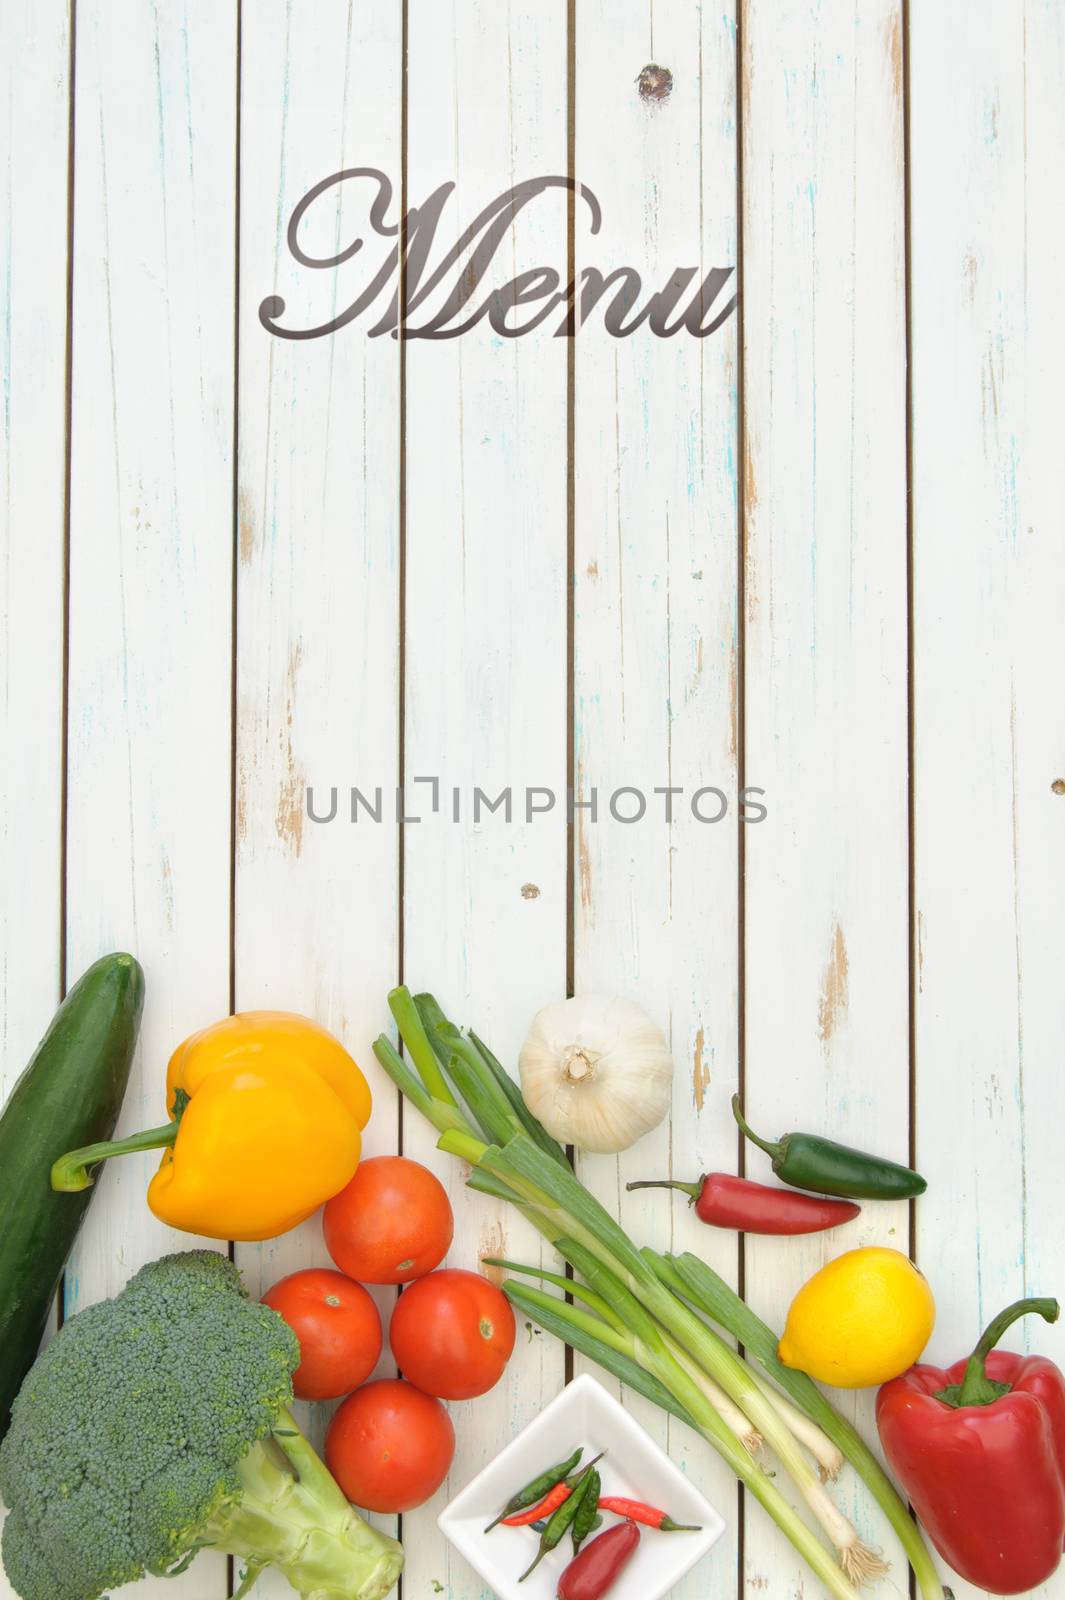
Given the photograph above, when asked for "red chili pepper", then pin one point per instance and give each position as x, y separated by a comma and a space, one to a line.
980, 1449
650, 1516
551, 1502
726, 1201
600, 1564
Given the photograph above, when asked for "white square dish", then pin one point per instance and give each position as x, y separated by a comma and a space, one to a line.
633, 1466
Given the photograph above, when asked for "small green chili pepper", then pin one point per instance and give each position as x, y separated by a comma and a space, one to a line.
563, 1518
597, 1523
808, 1162
584, 1521
538, 1489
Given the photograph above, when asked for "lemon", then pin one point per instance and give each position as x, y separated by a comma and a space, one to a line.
861, 1320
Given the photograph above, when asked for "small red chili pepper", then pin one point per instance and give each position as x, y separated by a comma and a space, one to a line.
650, 1516
725, 1201
600, 1564
551, 1502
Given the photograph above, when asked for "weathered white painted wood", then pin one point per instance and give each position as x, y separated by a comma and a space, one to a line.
149, 758
35, 88
317, 925
484, 910
825, 684
34, 102
655, 689
989, 569
149, 751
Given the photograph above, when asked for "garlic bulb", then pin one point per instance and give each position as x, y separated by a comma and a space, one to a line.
597, 1072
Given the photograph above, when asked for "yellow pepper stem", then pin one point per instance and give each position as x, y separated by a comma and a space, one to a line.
71, 1173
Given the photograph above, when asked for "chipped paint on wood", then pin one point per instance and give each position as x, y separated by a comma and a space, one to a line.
700, 1070
835, 987
494, 1245
288, 818
292, 796
895, 56
245, 524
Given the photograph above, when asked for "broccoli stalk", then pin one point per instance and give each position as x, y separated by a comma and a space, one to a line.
292, 1515
155, 1425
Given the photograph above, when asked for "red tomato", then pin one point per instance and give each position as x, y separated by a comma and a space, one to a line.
392, 1223
452, 1334
337, 1325
389, 1446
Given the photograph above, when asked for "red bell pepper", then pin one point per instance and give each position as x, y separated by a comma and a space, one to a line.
980, 1450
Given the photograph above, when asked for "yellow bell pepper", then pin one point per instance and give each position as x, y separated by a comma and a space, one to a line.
267, 1111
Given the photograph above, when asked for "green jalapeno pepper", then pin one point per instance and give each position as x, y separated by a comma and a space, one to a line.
808, 1162
564, 1517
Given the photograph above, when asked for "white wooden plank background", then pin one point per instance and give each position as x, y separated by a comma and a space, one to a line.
989, 582
392, 540
35, 53
656, 636
826, 902
485, 706
316, 924
151, 490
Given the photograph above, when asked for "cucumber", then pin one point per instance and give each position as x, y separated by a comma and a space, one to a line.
70, 1094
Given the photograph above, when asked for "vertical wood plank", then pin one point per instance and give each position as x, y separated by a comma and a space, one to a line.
34, 113
989, 593
484, 917
826, 912
317, 921
656, 644
150, 561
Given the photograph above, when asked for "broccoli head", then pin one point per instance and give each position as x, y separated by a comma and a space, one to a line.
155, 1425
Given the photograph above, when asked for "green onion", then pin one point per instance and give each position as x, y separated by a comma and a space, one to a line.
616, 1315
432, 1016
414, 1036
484, 1183
442, 1114
532, 1126
522, 1163
567, 1285
556, 1317
497, 1126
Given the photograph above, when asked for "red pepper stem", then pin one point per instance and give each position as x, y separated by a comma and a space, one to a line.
763, 1144
976, 1388
692, 1189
